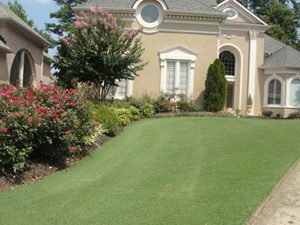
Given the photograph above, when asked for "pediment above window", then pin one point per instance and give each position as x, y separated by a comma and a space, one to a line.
178, 52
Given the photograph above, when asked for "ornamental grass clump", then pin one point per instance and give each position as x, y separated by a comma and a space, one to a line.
46, 122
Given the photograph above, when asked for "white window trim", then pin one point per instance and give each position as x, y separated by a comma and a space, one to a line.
129, 91
141, 20
288, 90
266, 91
178, 54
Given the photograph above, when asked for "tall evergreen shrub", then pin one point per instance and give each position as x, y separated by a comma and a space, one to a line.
215, 87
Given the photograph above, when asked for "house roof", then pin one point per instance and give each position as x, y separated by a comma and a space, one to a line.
272, 45
280, 55
197, 6
7, 15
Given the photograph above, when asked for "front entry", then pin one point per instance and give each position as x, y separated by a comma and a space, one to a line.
230, 95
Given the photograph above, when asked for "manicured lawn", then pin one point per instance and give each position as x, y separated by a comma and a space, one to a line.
174, 171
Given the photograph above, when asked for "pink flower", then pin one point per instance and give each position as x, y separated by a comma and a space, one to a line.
72, 149
5, 130
69, 132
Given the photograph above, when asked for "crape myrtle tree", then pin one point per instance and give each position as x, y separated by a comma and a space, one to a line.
215, 87
101, 51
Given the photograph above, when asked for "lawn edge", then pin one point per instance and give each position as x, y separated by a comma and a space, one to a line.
267, 200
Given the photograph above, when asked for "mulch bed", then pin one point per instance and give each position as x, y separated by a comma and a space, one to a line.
38, 170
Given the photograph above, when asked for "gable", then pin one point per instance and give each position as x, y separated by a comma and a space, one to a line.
243, 15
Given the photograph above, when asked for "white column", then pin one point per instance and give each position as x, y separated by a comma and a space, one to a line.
21, 69
252, 67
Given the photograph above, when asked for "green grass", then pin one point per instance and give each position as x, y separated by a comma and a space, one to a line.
172, 171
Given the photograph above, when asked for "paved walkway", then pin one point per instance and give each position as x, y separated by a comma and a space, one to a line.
283, 206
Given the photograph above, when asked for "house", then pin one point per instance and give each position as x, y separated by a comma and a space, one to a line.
23, 59
182, 38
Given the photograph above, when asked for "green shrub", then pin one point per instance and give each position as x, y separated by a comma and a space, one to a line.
107, 118
134, 113
164, 104
147, 110
294, 115
267, 113
123, 116
215, 87
188, 106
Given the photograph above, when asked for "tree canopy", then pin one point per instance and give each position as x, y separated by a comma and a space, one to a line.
100, 50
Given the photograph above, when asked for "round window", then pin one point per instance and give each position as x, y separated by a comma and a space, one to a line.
232, 14
150, 14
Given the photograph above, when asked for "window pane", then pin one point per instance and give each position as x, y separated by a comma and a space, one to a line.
183, 78
150, 14
122, 88
274, 92
228, 59
295, 93
171, 70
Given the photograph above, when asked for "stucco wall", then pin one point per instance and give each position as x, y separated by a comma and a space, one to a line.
149, 80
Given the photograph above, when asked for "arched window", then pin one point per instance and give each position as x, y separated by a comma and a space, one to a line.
295, 93
22, 71
274, 92
228, 59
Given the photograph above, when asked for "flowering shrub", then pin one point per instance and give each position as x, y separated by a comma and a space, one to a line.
46, 122
106, 50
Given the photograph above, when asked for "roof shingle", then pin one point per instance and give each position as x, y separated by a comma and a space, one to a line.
200, 6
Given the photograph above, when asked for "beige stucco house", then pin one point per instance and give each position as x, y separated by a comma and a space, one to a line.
182, 38
22, 52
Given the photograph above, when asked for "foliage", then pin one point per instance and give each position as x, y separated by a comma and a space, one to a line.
185, 105
267, 113
147, 110
134, 113
45, 122
104, 49
215, 87
91, 139
164, 104
294, 115
18, 9
106, 116
123, 116
249, 100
